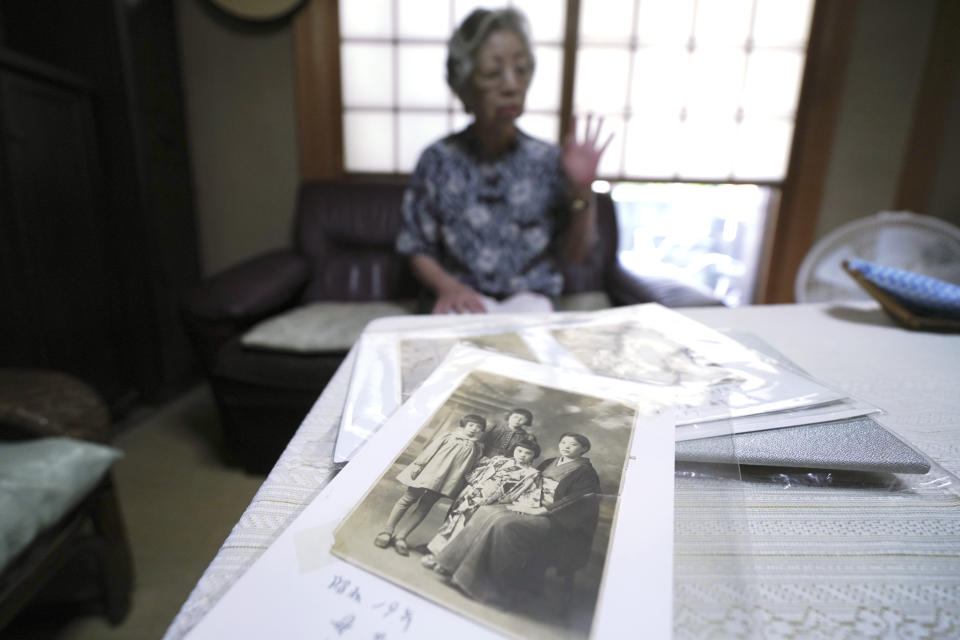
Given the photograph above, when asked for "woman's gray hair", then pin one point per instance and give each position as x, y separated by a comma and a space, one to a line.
469, 37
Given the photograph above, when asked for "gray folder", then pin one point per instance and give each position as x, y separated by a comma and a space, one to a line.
855, 444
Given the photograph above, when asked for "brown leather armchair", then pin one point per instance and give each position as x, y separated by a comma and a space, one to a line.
343, 237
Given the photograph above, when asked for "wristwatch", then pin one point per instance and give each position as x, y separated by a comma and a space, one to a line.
579, 204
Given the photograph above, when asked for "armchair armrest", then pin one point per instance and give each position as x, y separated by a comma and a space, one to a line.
38, 403
251, 289
225, 304
626, 287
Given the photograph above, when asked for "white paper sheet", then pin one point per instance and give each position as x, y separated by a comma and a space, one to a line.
836, 410
297, 589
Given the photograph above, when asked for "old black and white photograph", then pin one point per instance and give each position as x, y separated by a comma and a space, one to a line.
502, 506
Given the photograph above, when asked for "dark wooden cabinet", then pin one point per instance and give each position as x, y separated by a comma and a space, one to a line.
97, 228
56, 302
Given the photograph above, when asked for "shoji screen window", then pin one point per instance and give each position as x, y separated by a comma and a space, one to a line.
393, 68
696, 90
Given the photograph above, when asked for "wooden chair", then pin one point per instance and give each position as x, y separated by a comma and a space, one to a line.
34, 404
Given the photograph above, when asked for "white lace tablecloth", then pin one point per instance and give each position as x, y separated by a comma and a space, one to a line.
768, 554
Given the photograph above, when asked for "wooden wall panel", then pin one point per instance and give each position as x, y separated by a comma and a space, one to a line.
316, 35
924, 147
823, 81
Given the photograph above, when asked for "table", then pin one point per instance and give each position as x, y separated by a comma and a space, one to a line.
764, 553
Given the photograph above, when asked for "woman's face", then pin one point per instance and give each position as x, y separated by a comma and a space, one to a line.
570, 448
523, 455
501, 77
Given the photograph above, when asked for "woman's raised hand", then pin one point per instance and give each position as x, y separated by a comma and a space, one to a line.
581, 157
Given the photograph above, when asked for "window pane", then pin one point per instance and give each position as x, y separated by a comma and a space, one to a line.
706, 149
368, 141
461, 120
367, 74
716, 81
422, 18
417, 130
772, 83
461, 9
422, 72
600, 84
544, 91
547, 18
782, 22
366, 18
660, 80
722, 21
545, 126
665, 21
606, 21
653, 149
709, 234
763, 149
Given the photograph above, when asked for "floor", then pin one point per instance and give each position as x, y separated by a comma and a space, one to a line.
179, 502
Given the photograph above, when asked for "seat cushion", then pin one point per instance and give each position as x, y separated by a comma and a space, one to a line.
41, 481
321, 327
584, 301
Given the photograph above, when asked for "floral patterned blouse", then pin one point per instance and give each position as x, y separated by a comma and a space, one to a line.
490, 224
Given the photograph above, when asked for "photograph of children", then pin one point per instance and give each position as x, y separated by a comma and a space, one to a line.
513, 532
420, 356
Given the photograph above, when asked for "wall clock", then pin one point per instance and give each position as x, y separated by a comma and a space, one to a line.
258, 10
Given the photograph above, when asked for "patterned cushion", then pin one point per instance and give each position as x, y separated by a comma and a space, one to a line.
914, 290
321, 327
40, 481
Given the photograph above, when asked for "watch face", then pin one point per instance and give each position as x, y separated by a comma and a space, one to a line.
257, 10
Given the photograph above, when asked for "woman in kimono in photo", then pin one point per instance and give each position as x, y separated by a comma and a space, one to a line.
503, 551
495, 480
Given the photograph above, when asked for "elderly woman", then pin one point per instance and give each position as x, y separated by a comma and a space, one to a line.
503, 551
490, 210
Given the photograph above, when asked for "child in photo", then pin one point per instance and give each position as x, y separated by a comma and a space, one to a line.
437, 472
496, 480
500, 439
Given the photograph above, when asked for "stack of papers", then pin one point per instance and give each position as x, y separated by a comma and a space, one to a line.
717, 385
440, 523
